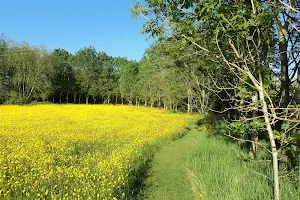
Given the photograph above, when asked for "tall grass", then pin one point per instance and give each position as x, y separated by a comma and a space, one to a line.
218, 169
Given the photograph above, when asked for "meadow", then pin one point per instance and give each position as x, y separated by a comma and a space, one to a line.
77, 151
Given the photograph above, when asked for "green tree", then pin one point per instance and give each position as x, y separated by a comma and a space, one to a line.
63, 81
84, 64
5, 71
128, 81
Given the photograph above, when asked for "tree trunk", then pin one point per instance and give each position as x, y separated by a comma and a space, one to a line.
189, 101
67, 97
188, 108
284, 72
23, 86
60, 97
122, 101
86, 99
159, 102
74, 98
297, 88
254, 136
272, 140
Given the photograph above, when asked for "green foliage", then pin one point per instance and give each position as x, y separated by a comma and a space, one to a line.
247, 128
15, 98
63, 78
128, 81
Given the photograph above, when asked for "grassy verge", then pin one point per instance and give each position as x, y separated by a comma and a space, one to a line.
218, 169
166, 178
141, 171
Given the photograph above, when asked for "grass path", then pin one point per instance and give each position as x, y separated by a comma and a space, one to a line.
168, 176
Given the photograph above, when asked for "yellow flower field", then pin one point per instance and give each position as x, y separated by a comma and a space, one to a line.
76, 151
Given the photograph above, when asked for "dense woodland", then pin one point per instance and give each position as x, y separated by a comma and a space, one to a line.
234, 58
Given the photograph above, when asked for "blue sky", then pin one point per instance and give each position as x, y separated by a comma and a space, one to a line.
105, 24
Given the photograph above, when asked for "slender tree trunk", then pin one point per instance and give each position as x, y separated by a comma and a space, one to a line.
122, 101
189, 104
79, 99
86, 99
74, 98
272, 140
159, 101
254, 136
23, 86
145, 103
31, 90
60, 95
67, 97
189, 101
188, 108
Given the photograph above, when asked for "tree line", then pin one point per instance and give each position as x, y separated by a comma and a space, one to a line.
29, 73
